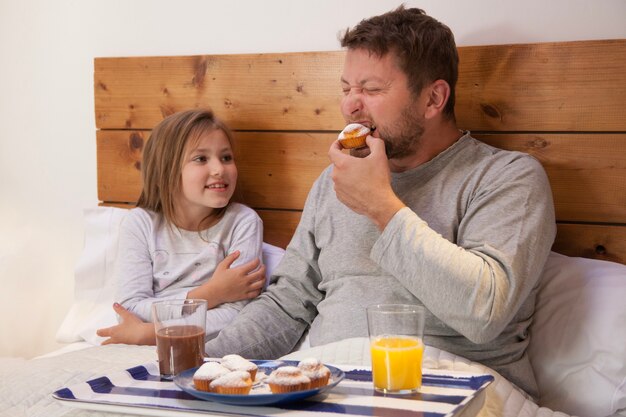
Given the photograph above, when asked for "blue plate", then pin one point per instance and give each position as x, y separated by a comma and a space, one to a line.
259, 394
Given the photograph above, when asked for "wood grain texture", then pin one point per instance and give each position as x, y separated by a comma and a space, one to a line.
279, 226
560, 86
119, 165
291, 91
587, 172
603, 242
564, 86
276, 169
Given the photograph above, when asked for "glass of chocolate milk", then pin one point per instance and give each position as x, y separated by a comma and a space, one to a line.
180, 328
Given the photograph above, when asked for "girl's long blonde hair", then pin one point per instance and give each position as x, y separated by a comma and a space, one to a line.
162, 160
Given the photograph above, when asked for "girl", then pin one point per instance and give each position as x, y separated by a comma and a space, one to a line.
186, 239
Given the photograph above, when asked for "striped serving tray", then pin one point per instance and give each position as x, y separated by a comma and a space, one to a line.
139, 390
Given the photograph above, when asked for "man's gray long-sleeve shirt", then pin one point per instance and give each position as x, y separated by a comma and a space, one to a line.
470, 247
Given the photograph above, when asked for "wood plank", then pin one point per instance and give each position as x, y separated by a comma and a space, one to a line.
560, 86
279, 226
276, 170
564, 86
119, 165
603, 242
587, 172
290, 91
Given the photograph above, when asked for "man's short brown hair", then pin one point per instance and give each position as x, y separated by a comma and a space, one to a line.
425, 49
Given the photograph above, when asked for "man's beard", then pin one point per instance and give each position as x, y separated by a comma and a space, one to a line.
405, 138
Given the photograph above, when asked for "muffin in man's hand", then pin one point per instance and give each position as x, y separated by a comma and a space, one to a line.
353, 136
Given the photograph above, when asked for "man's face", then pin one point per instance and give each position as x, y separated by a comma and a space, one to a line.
376, 94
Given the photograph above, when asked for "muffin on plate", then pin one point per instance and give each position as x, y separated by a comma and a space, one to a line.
288, 379
234, 383
315, 371
208, 372
238, 363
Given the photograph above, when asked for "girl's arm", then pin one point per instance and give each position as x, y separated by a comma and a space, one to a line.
230, 284
131, 330
240, 269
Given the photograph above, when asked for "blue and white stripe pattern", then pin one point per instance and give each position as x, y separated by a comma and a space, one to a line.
141, 387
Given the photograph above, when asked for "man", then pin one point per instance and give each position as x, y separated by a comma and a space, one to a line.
426, 215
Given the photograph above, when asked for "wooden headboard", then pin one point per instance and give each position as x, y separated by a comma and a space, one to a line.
564, 103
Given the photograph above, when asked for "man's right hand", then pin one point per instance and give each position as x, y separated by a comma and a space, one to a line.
364, 184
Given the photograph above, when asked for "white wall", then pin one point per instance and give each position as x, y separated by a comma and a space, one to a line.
47, 127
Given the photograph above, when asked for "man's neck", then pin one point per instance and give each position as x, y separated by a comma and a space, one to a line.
434, 140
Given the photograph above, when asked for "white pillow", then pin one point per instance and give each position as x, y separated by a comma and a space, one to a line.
94, 280
578, 336
272, 255
94, 283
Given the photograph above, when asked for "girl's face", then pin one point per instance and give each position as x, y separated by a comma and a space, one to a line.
209, 176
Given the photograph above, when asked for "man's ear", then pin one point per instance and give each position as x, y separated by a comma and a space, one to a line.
437, 99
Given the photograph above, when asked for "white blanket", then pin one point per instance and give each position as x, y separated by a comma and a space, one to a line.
26, 386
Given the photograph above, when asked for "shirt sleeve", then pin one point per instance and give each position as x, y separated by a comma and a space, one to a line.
477, 284
247, 237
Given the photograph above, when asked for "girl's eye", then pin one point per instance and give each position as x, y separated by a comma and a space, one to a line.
199, 158
372, 90
227, 158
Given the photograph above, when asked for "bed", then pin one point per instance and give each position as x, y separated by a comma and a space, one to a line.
564, 103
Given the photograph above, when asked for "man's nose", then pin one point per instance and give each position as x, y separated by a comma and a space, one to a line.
351, 103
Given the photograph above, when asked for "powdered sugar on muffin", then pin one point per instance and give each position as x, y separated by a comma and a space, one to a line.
315, 371
208, 372
353, 136
238, 363
234, 382
288, 379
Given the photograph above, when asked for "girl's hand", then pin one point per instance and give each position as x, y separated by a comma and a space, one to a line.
131, 330
232, 284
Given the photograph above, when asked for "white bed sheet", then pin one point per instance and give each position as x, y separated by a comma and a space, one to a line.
26, 385
72, 347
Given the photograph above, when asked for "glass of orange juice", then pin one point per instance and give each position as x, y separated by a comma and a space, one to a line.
396, 347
